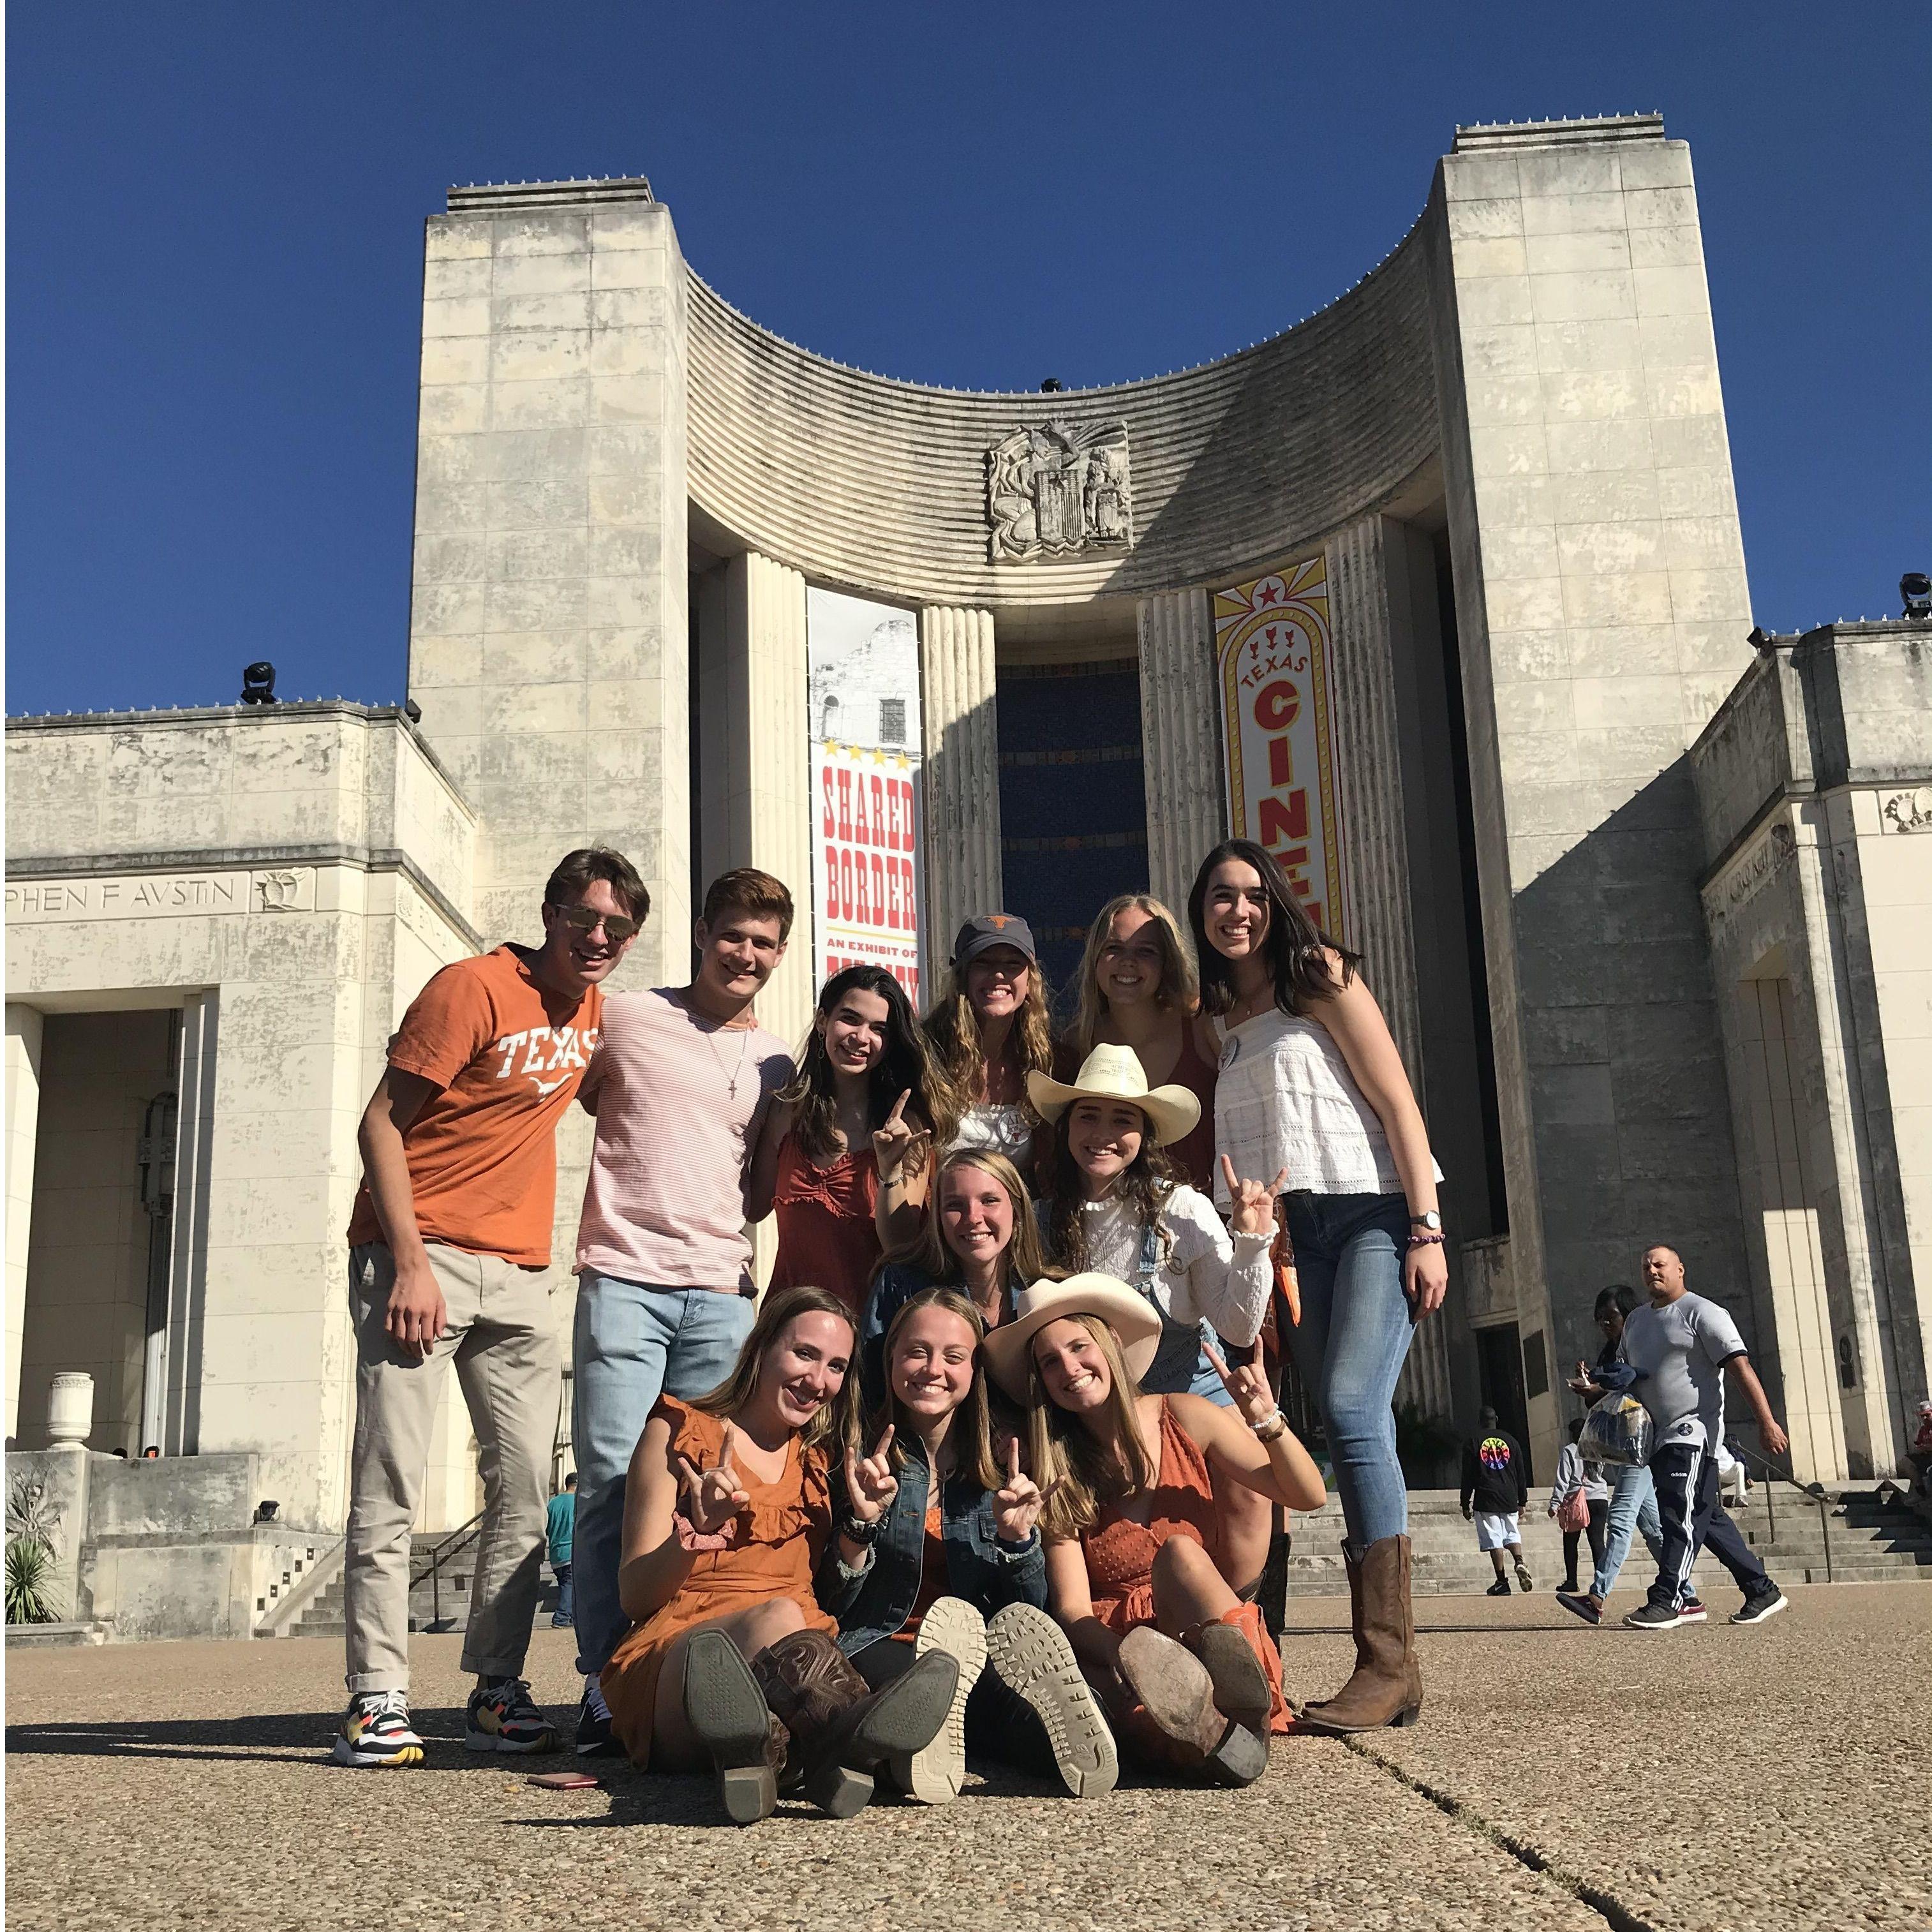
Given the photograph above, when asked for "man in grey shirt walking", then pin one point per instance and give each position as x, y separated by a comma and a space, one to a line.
1673, 1356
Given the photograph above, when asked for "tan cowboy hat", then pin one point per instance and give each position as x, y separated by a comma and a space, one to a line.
1115, 1073
1133, 1318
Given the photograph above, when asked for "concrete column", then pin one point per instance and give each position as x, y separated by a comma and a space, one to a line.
548, 625
963, 870
24, 1027
183, 1351
766, 777
1601, 612
1181, 742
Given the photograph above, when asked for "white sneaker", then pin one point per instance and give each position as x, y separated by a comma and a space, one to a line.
934, 1774
376, 1734
1031, 1656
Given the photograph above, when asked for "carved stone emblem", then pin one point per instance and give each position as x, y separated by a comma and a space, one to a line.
285, 891
1908, 811
1058, 490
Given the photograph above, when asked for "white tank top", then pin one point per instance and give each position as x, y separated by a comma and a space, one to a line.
1284, 1098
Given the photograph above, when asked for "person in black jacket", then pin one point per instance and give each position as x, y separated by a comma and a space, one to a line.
1496, 1481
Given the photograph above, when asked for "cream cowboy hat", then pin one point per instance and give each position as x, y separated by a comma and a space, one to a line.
1115, 1073
1133, 1318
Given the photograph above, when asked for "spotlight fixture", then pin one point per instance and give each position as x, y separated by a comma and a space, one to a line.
265, 1512
413, 711
1760, 639
1915, 587
1051, 386
258, 683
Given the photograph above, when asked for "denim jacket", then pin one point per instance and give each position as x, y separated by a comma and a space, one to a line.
874, 1602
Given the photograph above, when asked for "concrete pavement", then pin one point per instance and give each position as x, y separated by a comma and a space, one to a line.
1561, 1777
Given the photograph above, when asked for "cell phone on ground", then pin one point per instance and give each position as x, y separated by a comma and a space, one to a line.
563, 1780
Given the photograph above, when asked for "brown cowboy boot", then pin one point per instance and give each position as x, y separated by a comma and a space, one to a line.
1312, 1711
728, 1715
842, 1730
1387, 1686
1168, 1710
1228, 1647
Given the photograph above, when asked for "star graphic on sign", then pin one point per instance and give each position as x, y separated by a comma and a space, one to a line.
1271, 592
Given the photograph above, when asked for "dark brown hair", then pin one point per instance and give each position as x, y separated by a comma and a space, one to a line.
746, 889
577, 871
1145, 1187
1294, 945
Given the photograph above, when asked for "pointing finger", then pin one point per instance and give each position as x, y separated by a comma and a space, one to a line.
1274, 1186
1214, 1360
899, 1108
1013, 1458
884, 1442
1227, 1175
724, 1452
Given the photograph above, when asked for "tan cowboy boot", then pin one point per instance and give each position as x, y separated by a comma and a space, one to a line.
841, 1729
1167, 1708
728, 1715
1387, 1686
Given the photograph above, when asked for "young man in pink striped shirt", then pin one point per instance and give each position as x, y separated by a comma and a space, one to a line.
682, 1086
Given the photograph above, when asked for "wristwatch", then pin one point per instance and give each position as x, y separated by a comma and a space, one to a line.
1431, 1221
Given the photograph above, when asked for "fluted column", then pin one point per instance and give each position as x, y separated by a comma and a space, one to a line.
1181, 741
24, 1027
963, 872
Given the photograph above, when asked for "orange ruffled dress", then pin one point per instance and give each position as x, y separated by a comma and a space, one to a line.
1120, 1552
779, 1536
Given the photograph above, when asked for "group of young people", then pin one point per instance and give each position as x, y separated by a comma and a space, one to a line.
995, 1463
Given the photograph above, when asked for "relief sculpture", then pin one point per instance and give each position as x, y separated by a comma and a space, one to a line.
1060, 489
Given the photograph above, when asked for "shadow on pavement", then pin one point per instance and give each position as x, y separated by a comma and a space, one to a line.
285, 1737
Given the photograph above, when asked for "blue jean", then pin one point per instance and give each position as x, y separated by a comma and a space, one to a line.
1633, 1508
632, 1343
1351, 1343
564, 1615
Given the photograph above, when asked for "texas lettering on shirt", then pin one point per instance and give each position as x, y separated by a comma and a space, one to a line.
558, 1050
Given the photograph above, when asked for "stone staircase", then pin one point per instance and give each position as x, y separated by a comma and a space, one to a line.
450, 1598
1867, 1542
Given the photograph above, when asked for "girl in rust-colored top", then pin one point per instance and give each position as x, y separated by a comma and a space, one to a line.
855, 1159
1183, 1666
727, 1510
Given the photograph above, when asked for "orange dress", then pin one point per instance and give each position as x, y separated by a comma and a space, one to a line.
778, 1537
1120, 1552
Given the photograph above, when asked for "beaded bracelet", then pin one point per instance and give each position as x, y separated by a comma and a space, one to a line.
1425, 1240
854, 1531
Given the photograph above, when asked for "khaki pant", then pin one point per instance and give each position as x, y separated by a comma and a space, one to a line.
500, 1336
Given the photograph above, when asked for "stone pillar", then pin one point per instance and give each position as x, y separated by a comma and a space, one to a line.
1181, 742
183, 1347
548, 627
1601, 613
757, 689
23, 1122
963, 870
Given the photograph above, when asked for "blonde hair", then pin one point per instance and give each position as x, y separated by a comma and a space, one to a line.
836, 1426
953, 1029
1024, 1260
1077, 1469
1179, 988
972, 1450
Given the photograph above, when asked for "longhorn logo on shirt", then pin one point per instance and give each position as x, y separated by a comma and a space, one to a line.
538, 1050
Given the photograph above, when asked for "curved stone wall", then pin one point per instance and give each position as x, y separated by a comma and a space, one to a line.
876, 485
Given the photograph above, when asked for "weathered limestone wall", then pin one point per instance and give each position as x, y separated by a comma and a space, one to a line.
287, 877
1180, 746
1602, 612
963, 863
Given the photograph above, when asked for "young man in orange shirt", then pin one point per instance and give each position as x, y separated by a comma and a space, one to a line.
449, 1255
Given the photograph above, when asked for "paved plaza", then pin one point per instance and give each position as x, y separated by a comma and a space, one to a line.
1721, 1780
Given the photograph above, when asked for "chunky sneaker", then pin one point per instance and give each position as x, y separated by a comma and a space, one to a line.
1029, 1654
376, 1733
1692, 1611
1500, 1588
1523, 1581
934, 1773
502, 1717
1766, 1600
594, 1736
1653, 1617
1587, 1607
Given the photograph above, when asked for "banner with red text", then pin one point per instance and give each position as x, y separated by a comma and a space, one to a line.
1278, 730
868, 874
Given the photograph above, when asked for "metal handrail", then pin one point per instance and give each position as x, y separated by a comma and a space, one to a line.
441, 1551
1769, 1474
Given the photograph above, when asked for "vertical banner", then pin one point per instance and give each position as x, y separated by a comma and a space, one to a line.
1278, 730
867, 855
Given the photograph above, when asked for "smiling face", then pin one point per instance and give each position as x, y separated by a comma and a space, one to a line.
855, 1031
737, 953
573, 960
1132, 960
997, 982
1073, 1367
975, 1214
931, 1368
1235, 909
805, 1367
1105, 1137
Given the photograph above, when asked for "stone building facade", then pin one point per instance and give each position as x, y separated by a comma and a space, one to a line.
1505, 450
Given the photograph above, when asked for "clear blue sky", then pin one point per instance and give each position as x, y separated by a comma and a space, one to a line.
214, 239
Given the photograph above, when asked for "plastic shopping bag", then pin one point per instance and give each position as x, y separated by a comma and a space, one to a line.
1618, 1430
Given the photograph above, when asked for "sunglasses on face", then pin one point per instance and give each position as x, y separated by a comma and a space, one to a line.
586, 920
